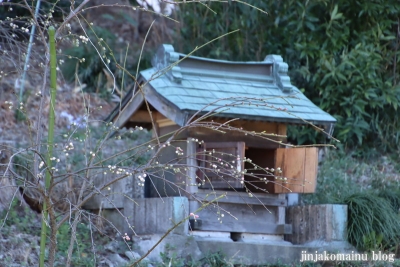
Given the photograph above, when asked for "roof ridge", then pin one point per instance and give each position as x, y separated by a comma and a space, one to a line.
174, 64
226, 75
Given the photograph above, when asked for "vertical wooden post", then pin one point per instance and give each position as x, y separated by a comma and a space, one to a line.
191, 184
280, 218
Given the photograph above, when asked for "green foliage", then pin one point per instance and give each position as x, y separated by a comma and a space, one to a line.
372, 223
344, 54
393, 196
83, 250
169, 258
21, 218
336, 178
306, 135
216, 259
60, 9
373, 241
91, 65
84, 60
342, 174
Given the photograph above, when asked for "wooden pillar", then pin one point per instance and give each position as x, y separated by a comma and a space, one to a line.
191, 185
281, 211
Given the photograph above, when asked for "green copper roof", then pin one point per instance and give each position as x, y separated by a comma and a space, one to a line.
196, 82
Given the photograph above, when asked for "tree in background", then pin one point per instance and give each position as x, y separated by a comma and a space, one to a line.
343, 54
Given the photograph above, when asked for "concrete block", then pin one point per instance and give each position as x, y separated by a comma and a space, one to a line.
293, 199
254, 238
176, 244
210, 235
260, 253
156, 215
113, 196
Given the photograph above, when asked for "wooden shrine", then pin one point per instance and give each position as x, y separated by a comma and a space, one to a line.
176, 88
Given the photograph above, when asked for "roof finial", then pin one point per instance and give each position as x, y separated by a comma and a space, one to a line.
279, 73
165, 61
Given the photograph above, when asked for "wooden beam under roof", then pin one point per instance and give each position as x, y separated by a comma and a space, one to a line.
144, 116
167, 109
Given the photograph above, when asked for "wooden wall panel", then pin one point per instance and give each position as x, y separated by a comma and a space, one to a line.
165, 182
219, 154
299, 166
310, 170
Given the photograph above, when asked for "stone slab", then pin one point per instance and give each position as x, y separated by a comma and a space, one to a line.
267, 252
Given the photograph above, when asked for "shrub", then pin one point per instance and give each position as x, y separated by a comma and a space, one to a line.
372, 223
334, 181
393, 196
